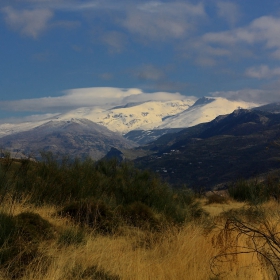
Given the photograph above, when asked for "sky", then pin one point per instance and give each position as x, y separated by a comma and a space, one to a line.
61, 54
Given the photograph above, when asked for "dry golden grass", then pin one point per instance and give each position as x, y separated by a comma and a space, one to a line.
216, 209
177, 253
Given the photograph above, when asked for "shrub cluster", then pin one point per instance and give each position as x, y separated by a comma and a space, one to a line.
100, 194
255, 191
20, 237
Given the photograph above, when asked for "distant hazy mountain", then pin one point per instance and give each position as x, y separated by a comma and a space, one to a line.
75, 137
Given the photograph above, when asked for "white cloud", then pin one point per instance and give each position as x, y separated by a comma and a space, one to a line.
250, 95
160, 21
73, 98
28, 22
152, 20
68, 5
262, 72
31, 118
173, 8
229, 11
263, 30
260, 38
156, 96
85, 97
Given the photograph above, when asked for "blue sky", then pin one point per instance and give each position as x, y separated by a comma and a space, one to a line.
50, 49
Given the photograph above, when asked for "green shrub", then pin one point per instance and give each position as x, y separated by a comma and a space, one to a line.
253, 213
139, 215
250, 191
272, 183
7, 228
20, 237
33, 228
112, 183
92, 213
8, 231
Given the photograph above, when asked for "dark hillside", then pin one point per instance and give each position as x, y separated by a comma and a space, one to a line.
239, 145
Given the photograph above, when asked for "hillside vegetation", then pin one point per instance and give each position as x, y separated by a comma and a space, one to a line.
243, 144
62, 219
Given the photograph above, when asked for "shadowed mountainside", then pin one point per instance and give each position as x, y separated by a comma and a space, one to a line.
242, 144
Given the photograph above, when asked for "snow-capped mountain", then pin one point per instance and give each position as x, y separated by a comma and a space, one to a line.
146, 115
159, 114
12, 128
204, 110
122, 119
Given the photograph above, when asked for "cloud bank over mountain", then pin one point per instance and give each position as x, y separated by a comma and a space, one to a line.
87, 97
261, 96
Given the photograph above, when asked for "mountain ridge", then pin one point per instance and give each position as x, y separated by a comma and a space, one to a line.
242, 144
146, 115
76, 137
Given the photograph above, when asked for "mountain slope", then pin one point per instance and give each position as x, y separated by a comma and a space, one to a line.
142, 137
12, 128
75, 137
145, 115
148, 115
204, 110
240, 145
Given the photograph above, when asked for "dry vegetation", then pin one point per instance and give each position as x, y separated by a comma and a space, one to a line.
183, 252
200, 247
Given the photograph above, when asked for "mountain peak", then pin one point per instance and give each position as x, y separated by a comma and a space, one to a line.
203, 101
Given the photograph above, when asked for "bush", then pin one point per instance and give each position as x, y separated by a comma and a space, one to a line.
250, 191
92, 213
110, 184
33, 228
7, 228
8, 231
253, 233
20, 237
139, 215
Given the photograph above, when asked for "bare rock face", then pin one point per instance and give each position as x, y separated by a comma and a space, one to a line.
75, 137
